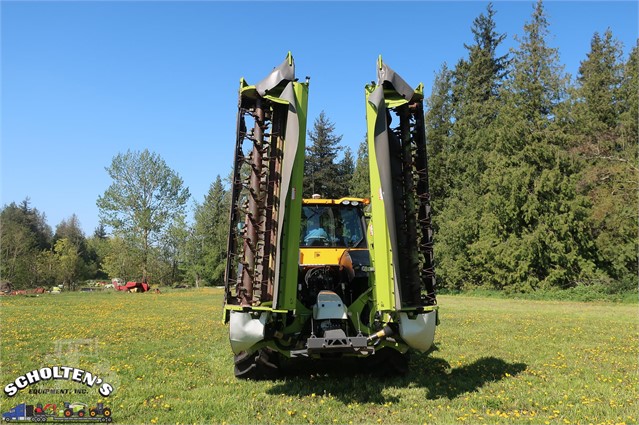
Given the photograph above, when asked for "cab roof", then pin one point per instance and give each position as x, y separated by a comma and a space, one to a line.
345, 201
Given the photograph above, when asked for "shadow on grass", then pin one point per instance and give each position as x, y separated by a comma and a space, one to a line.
349, 381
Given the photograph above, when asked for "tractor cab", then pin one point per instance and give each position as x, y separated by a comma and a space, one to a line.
333, 249
333, 223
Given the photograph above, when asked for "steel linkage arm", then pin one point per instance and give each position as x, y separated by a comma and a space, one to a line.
401, 227
271, 121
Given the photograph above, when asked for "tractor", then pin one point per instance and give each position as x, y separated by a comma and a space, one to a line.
78, 409
325, 278
99, 410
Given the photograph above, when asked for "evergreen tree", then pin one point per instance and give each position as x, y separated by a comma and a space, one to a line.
598, 95
537, 82
33, 220
483, 73
438, 123
320, 168
345, 170
70, 229
100, 232
609, 163
475, 98
538, 233
629, 117
518, 222
361, 187
97, 247
207, 244
461, 136
171, 253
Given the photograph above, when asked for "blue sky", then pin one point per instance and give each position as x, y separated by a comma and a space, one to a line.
83, 81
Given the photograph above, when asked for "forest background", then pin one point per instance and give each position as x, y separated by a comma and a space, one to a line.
533, 174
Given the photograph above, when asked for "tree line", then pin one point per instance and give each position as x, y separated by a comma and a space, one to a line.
533, 179
534, 176
144, 234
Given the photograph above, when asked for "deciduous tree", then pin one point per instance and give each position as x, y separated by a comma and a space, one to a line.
69, 263
24, 233
121, 259
143, 201
70, 229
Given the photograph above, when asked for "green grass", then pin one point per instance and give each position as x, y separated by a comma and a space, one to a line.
168, 357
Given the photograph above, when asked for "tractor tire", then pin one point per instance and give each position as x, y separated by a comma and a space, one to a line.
92, 413
106, 412
398, 362
388, 362
263, 364
68, 413
81, 413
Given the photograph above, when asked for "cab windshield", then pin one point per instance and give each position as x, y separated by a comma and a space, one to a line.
338, 226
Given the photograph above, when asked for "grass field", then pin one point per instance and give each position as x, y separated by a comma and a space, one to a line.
168, 358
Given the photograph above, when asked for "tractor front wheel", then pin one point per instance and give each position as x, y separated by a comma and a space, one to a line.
261, 364
106, 412
388, 362
68, 413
